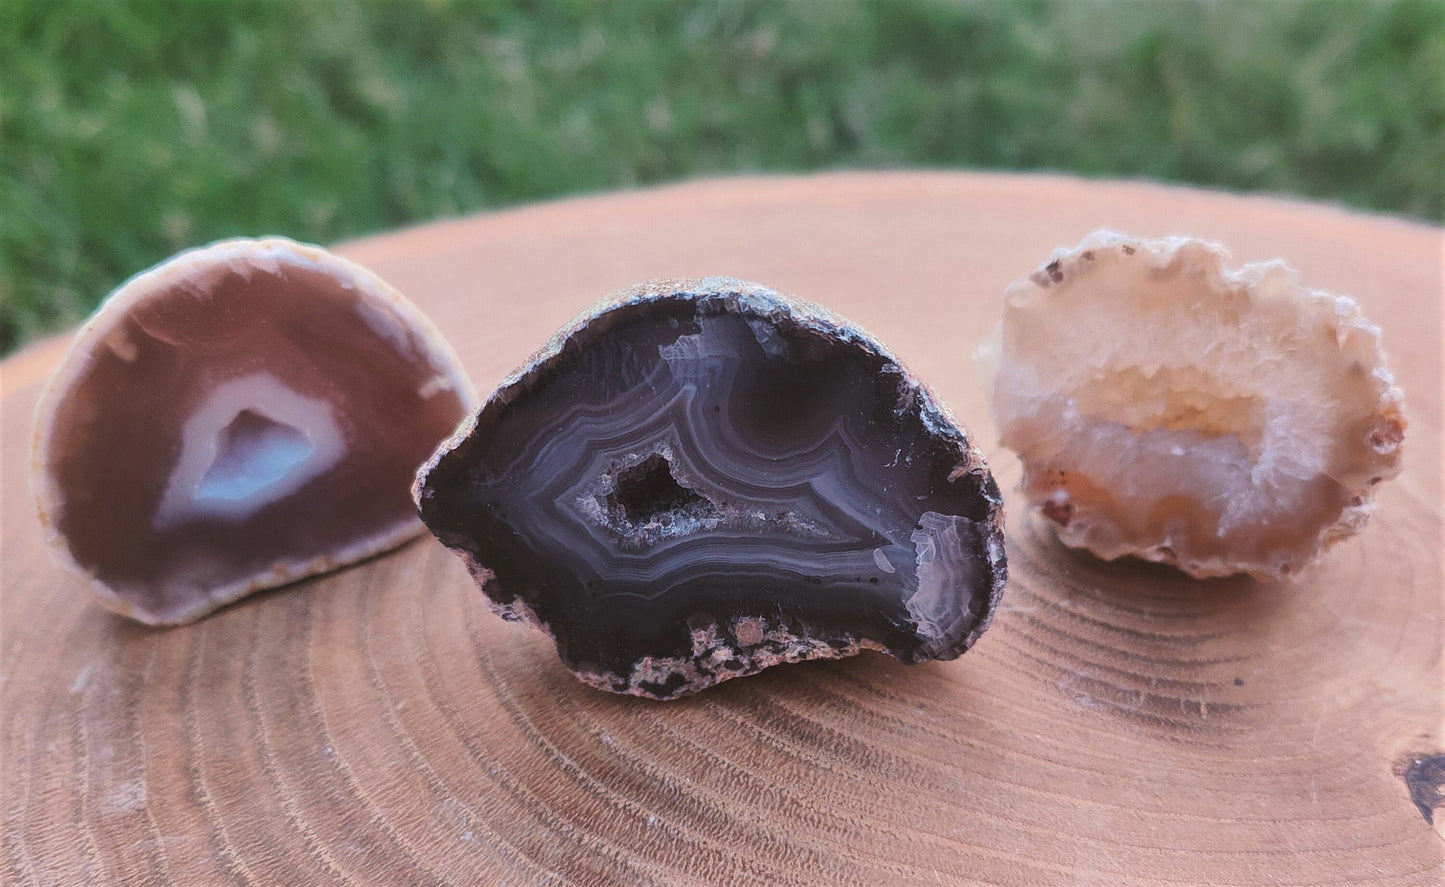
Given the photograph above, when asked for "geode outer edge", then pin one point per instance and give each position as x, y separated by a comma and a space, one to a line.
715, 624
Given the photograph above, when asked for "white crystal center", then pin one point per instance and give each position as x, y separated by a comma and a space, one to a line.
251, 443
253, 453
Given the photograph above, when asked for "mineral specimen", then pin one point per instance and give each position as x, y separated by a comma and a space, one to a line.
1166, 408
702, 479
236, 418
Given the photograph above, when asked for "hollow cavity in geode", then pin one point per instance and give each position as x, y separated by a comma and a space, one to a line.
239, 417
701, 480
1165, 407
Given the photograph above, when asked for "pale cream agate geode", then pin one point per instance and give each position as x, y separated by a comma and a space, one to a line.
1168, 408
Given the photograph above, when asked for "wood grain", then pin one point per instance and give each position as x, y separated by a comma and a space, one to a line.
1120, 724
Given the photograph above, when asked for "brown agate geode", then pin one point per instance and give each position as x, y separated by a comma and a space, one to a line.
702, 479
236, 418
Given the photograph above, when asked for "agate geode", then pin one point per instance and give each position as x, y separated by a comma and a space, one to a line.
238, 417
1167, 407
701, 479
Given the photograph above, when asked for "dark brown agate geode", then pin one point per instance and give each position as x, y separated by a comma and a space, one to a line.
701, 479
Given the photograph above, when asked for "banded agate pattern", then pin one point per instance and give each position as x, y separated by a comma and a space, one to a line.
703, 479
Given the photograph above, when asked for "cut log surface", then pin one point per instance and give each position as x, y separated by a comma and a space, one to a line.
1119, 724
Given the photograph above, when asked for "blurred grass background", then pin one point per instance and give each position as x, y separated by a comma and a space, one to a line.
131, 130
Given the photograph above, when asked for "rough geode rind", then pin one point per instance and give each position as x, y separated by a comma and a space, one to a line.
697, 480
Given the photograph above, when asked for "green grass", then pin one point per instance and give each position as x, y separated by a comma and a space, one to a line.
131, 130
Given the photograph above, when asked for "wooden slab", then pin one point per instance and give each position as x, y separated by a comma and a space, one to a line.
1120, 724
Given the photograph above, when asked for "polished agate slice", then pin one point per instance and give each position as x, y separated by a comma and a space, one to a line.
236, 418
1167, 408
703, 479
